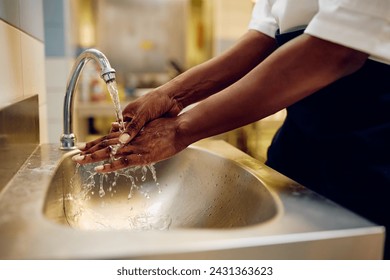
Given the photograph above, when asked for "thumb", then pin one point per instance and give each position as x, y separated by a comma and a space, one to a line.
132, 129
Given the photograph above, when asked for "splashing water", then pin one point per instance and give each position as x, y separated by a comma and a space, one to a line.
91, 181
98, 201
87, 183
113, 90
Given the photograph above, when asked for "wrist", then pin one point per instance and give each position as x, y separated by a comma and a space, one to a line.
192, 86
185, 133
179, 90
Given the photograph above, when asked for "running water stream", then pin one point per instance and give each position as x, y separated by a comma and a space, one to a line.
89, 185
113, 90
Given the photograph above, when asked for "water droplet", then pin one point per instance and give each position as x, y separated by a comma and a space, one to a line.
102, 192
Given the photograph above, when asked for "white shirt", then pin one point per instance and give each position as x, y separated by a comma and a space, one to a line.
363, 25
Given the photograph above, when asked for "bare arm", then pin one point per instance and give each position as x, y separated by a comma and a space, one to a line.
294, 71
220, 72
192, 86
289, 74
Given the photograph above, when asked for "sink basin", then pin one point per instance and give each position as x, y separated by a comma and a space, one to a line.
194, 189
211, 201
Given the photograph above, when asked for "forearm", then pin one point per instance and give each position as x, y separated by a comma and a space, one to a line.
291, 73
216, 74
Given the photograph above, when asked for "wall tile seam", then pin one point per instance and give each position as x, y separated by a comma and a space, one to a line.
21, 30
24, 95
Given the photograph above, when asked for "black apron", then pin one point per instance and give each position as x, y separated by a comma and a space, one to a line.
336, 142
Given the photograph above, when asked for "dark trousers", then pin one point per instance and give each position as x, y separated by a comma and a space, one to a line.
336, 142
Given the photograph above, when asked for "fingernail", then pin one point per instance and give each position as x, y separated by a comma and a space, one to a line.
99, 168
81, 146
124, 138
78, 158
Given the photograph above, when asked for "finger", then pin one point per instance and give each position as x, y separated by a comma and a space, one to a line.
84, 147
114, 127
123, 162
93, 157
102, 145
132, 129
127, 150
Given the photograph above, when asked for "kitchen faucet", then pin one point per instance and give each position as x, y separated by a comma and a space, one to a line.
107, 73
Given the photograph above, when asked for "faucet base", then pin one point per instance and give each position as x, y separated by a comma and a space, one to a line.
68, 142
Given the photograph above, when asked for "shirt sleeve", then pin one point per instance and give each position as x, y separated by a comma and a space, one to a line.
262, 19
359, 24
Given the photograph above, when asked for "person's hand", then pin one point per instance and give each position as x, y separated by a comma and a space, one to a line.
145, 109
157, 141
135, 115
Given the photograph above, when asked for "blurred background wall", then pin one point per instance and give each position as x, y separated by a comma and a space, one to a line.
148, 42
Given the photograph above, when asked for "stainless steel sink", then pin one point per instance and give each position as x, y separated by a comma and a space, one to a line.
195, 189
211, 201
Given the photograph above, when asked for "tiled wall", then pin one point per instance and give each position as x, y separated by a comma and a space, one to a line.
22, 83
22, 71
59, 61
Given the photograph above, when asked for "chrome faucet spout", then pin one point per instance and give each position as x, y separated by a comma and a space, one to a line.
68, 139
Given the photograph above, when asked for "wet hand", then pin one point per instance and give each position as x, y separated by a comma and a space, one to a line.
157, 141
145, 109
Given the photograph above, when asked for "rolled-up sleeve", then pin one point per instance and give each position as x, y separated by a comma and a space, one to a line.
262, 19
359, 24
